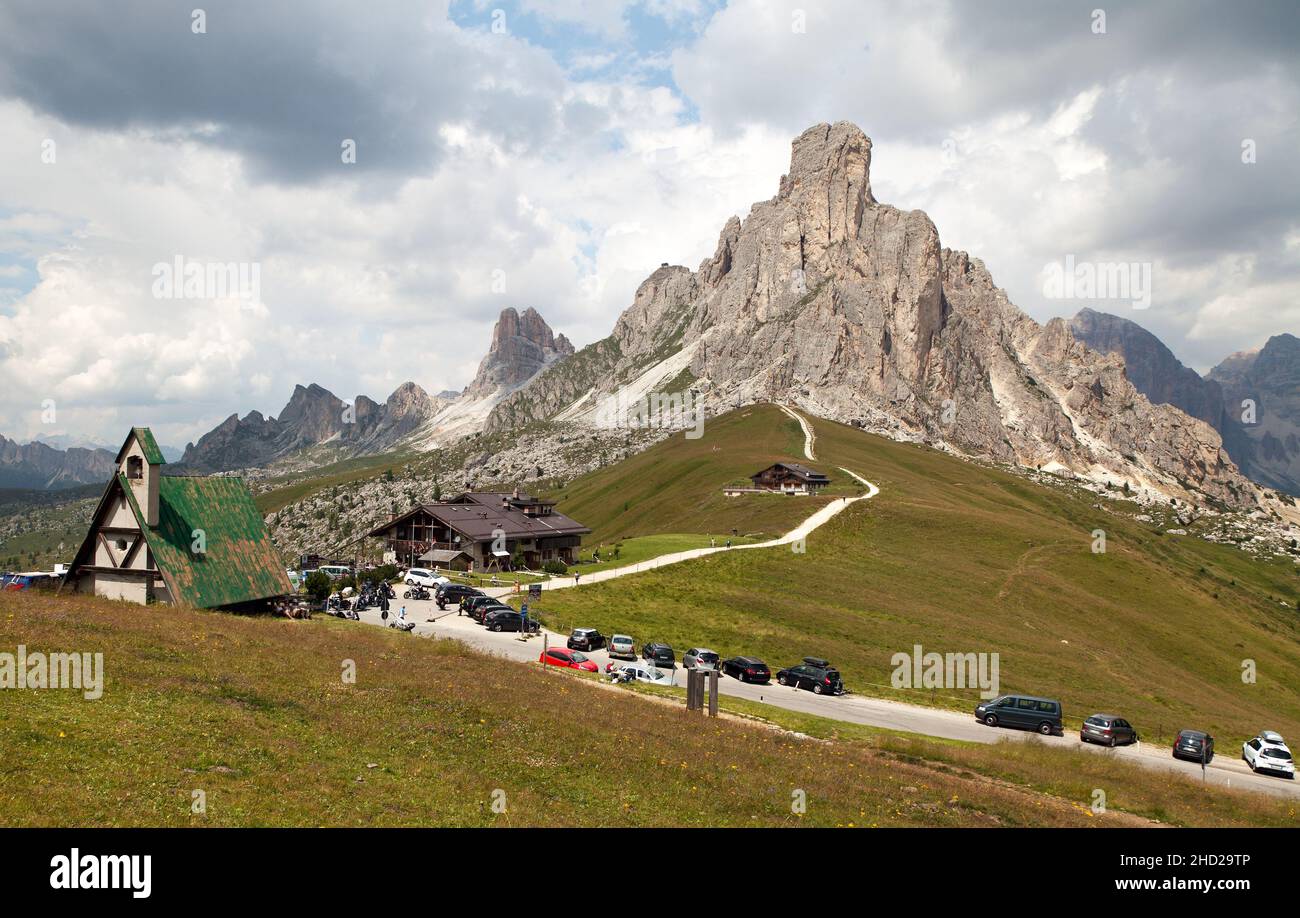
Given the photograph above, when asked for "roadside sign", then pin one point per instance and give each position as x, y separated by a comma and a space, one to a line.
534, 591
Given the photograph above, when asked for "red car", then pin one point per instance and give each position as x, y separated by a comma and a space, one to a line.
573, 659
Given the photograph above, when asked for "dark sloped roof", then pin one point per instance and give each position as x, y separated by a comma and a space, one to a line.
240, 563
478, 520
443, 554
801, 470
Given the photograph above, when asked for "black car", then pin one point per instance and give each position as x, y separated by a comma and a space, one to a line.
814, 674
507, 620
1024, 711
1108, 730
1192, 745
480, 606
747, 669
453, 592
659, 654
587, 639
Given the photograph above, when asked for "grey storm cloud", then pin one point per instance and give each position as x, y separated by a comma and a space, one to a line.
282, 84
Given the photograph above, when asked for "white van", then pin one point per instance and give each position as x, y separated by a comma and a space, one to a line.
335, 571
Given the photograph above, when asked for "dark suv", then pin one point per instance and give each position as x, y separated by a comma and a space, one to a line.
1192, 744
659, 654
587, 639
746, 669
813, 674
453, 592
1023, 711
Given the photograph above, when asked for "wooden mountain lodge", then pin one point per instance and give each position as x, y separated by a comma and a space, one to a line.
789, 478
484, 531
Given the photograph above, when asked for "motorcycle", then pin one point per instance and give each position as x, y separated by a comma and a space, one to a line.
416, 592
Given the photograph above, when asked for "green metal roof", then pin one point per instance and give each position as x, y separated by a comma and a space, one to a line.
240, 562
148, 445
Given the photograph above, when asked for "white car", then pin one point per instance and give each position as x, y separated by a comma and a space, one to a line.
419, 576
640, 672
1267, 752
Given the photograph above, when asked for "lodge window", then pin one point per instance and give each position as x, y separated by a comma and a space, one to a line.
134, 467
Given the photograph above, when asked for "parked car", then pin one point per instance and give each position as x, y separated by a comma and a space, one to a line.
335, 571
453, 592
747, 669
572, 659
1023, 711
1265, 753
507, 620
700, 658
814, 674
640, 672
1108, 730
659, 654
622, 647
1192, 744
481, 610
419, 576
586, 639
31, 580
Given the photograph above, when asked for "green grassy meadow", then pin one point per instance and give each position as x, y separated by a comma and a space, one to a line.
956, 557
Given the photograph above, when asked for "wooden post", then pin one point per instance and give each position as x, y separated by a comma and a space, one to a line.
713, 693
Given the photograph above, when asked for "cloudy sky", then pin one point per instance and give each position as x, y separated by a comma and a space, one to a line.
551, 153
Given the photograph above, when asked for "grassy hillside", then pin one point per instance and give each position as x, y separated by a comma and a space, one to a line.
958, 558
254, 713
676, 486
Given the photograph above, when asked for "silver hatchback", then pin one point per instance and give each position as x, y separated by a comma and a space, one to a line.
622, 647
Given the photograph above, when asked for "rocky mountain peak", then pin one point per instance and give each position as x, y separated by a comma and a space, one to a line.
522, 345
826, 298
830, 179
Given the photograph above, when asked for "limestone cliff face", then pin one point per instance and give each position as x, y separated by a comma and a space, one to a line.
522, 344
826, 298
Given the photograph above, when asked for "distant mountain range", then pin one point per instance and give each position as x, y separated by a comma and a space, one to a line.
36, 465
316, 419
1252, 398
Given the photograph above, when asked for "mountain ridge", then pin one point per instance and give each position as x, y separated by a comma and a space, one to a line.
826, 298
